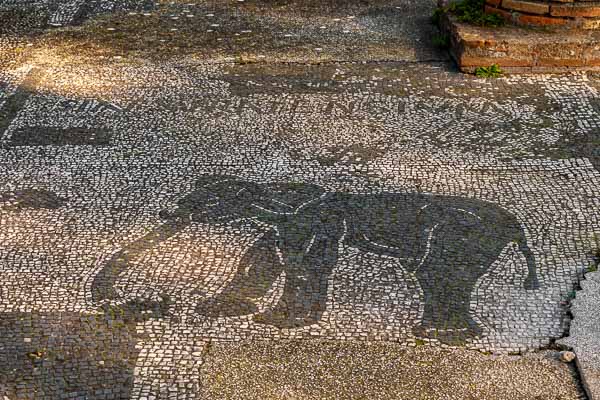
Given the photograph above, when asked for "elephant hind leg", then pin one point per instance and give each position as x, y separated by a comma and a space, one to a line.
304, 296
454, 332
447, 278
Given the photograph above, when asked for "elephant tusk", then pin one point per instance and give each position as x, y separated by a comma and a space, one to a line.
467, 212
427, 248
312, 241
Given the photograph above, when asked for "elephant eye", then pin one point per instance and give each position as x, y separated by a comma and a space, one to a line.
214, 197
236, 190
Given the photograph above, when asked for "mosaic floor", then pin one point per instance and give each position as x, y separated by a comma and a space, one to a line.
153, 208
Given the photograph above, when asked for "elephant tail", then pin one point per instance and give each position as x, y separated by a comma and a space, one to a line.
531, 282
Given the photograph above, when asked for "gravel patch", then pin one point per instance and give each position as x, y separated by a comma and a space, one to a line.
345, 370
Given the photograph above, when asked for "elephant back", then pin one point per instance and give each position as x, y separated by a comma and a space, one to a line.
288, 198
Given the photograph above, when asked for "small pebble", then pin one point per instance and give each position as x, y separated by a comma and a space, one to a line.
567, 356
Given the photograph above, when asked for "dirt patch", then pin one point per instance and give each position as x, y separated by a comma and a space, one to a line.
45, 355
21, 19
334, 370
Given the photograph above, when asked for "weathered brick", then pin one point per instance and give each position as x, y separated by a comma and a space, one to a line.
576, 10
506, 15
581, 14
540, 20
519, 50
493, 3
559, 62
472, 61
526, 6
593, 62
590, 23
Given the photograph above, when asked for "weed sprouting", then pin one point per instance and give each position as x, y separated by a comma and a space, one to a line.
469, 11
493, 71
441, 41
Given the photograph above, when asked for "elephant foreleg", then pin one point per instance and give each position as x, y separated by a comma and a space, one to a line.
256, 273
302, 303
304, 297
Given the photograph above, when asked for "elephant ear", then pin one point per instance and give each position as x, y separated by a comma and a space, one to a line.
287, 197
207, 180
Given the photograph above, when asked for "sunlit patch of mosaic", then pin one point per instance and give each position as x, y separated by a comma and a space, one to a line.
176, 205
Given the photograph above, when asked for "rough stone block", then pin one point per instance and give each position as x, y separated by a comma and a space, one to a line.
576, 10
539, 20
575, 14
526, 6
518, 49
494, 3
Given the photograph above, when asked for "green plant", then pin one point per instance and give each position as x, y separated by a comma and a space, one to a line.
441, 41
473, 12
438, 13
595, 254
493, 71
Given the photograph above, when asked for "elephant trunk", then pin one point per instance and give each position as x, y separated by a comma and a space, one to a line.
103, 285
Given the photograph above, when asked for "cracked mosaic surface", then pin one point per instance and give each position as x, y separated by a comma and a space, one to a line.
379, 210
151, 209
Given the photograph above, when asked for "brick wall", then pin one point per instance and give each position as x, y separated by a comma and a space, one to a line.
583, 14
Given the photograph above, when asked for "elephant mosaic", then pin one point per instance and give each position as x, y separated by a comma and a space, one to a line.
447, 242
